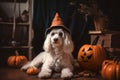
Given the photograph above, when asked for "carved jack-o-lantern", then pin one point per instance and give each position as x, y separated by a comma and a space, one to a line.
90, 57
86, 54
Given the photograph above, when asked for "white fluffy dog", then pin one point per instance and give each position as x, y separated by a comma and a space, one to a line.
57, 56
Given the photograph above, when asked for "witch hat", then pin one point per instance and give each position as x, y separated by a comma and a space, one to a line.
57, 23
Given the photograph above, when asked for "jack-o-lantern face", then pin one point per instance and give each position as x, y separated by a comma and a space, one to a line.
86, 54
90, 57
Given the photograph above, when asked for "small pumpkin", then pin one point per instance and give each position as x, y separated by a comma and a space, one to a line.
32, 71
90, 57
17, 60
110, 70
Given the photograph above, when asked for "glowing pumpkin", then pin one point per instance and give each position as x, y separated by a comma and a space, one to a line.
110, 70
90, 57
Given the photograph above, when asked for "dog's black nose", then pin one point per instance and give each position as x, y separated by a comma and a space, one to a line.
56, 39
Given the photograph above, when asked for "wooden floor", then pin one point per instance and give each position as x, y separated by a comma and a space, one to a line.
8, 73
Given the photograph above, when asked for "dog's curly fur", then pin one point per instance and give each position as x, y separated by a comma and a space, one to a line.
57, 55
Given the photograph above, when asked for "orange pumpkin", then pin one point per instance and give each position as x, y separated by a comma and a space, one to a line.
110, 70
90, 57
32, 71
17, 60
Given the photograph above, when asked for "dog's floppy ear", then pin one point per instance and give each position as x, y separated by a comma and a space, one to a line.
68, 45
47, 44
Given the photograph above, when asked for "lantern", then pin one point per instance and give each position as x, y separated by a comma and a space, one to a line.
90, 57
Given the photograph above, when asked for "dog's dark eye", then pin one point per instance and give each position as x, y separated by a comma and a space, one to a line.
60, 33
52, 34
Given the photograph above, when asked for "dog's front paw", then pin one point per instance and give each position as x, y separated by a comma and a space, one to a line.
44, 75
66, 73
25, 67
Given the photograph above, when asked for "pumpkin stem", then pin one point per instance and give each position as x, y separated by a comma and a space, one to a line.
116, 59
95, 40
110, 55
16, 52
